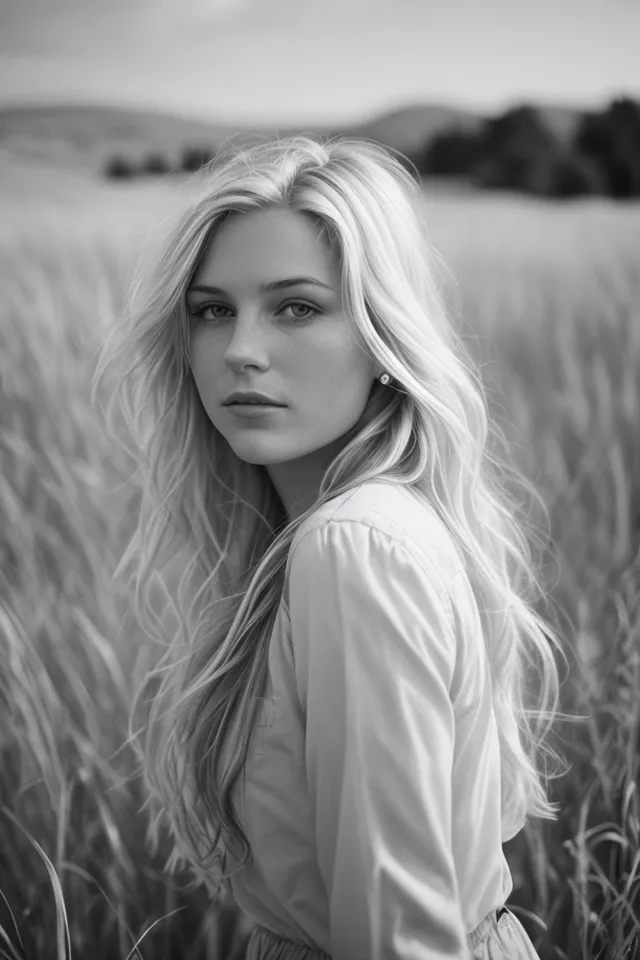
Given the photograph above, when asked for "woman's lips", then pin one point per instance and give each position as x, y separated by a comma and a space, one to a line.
251, 410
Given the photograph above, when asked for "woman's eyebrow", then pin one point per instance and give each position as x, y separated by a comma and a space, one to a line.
271, 285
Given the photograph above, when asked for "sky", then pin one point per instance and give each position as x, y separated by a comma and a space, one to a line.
317, 61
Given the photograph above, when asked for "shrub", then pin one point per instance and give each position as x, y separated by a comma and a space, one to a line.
118, 168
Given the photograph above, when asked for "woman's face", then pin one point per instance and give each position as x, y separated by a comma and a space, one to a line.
292, 344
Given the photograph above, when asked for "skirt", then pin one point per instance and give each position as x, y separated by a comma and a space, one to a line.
500, 936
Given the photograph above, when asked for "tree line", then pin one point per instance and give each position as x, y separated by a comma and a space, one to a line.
516, 150
157, 164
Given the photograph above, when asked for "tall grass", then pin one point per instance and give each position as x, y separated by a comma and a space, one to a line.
551, 305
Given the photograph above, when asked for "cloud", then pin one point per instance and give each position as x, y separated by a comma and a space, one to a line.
78, 27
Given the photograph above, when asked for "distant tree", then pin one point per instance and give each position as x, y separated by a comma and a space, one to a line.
453, 152
117, 168
575, 175
155, 165
515, 170
194, 158
611, 139
516, 151
624, 177
518, 126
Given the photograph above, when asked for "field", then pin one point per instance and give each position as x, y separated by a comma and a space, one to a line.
549, 298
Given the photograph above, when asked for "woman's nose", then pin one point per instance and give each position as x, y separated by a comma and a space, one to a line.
247, 343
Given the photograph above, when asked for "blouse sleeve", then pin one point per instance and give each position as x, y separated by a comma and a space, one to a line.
375, 653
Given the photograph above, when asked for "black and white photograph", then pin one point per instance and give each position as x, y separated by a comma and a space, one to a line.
319, 631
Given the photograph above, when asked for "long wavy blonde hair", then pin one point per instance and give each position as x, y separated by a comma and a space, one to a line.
220, 523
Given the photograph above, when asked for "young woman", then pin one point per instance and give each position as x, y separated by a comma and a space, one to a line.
344, 694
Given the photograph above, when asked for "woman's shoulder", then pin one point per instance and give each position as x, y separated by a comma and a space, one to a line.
402, 515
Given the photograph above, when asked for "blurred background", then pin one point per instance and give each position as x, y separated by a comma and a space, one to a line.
522, 123
531, 98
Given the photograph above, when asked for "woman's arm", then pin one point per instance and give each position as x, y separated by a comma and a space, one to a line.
375, 652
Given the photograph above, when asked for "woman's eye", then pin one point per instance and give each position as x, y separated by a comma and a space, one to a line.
305, 306
200, 311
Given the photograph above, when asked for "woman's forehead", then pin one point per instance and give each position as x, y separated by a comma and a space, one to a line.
265, 246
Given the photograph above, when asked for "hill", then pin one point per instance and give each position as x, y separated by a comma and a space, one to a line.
84, 137
408, 128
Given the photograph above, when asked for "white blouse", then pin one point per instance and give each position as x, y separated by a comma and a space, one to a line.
371, 793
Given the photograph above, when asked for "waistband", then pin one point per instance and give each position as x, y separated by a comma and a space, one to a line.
486, 926
264, 943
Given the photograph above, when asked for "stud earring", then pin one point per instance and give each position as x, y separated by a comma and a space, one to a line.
385, 378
